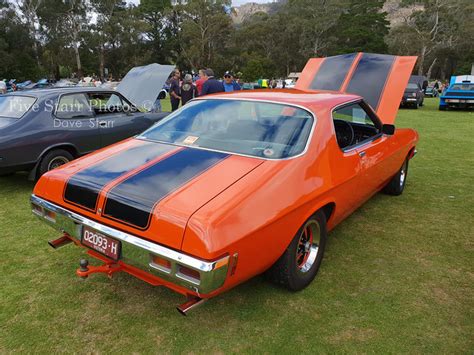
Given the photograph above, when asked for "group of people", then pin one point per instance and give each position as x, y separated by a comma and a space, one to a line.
185, 90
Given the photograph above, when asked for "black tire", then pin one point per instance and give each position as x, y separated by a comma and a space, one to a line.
54, 159
296, 272
442, 108
396, 186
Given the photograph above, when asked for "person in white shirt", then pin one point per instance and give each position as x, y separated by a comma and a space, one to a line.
3, 87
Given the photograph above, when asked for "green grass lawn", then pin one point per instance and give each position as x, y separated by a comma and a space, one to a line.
397, 277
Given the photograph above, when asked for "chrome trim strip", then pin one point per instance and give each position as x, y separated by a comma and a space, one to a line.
139, 251
125, 237
308, 140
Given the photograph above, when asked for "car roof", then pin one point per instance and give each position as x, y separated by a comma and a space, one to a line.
310, 99
39, 93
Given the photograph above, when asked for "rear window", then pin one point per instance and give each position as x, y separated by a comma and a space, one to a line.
412, 86
15, 106
254, 128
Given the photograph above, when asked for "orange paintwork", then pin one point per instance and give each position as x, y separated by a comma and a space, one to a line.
391, 94
252, 206
310, 70
398, 78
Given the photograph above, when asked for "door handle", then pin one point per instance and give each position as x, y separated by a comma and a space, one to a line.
103, 123
362, 154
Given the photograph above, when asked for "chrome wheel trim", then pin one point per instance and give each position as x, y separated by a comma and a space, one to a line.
308, 246
403, 174
57, 162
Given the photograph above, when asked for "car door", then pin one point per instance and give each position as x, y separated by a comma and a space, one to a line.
73, 122
374, 149
116, 119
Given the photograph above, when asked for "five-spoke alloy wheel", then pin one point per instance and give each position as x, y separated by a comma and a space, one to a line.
300, 262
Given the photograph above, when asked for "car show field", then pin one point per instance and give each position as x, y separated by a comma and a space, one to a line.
397, 276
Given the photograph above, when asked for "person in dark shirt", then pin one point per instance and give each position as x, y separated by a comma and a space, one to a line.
175, 90
212, 85
188, 89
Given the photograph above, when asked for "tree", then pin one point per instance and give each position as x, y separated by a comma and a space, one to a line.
76, 21
360, 28
15, 62
205, 33
433, 32
29, 10
155, 13
63, 25
314, 19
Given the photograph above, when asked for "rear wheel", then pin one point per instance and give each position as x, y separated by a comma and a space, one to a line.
300, 263
397, 184
53, 160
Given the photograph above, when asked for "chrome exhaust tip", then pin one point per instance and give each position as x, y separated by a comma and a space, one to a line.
190, 304
60, 242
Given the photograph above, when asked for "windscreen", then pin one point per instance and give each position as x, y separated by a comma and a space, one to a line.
15, 106
463, 86
254, 128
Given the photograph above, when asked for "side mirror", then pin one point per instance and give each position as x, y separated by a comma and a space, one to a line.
388, 129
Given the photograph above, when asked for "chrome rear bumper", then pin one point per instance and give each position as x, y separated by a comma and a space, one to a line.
139, 252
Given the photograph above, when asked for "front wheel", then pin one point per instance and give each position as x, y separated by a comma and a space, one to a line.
397, 184
300, 262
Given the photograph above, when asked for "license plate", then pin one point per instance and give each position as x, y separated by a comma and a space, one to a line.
101, 243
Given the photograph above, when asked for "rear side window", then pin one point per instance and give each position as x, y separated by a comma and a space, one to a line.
74, 106
15, 106
106, 103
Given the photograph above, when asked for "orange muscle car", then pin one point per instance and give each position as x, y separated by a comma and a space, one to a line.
234, 185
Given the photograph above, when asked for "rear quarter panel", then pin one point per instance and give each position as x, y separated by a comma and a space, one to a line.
259, 215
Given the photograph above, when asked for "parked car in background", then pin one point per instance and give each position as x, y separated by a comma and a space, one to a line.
43, 129
64, 83
41, 84
234, 185
421, 80
111, 85
413, 96
430, 91
459, 94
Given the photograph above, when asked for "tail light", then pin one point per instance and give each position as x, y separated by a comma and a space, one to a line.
160, 263
189, 274
51, 216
